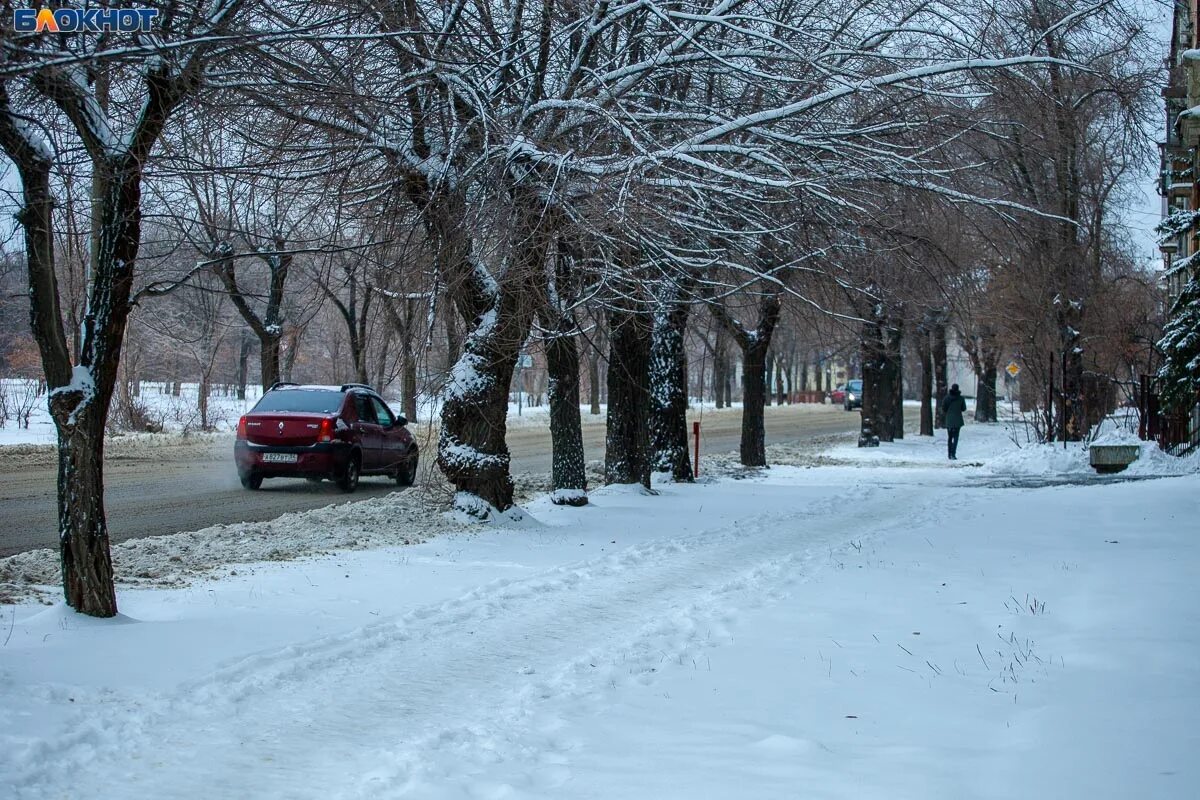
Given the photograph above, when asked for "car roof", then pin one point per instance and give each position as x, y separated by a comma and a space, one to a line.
345, 388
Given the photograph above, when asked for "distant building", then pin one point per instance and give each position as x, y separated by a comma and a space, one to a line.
1179, 182
1180, 163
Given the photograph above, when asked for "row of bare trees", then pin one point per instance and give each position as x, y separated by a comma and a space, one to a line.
498, 170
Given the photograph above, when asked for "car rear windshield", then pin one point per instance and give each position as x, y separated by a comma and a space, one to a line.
312, 401
855, 386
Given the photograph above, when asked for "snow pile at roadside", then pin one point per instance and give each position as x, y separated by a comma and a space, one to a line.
1153, 461
400, 518
1003, 449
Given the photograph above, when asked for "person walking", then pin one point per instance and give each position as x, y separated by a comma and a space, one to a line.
955, 405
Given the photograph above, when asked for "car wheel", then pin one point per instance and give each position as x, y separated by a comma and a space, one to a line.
406, 475
251, 480
348, 480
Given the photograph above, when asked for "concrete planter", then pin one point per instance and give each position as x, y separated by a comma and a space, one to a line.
1106, 458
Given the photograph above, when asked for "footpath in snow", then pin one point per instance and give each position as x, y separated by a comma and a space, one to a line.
868, 624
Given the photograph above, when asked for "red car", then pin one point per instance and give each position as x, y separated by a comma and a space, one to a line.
838, 395
318, 432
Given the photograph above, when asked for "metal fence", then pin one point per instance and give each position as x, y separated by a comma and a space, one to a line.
1174, 431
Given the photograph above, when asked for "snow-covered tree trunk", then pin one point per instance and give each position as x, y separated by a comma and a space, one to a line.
78, 413
471, 448
80, 394
668, 392
1074, 425
627, 440
87, 570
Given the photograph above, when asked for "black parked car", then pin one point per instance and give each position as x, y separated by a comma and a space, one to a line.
853, 396
318, 432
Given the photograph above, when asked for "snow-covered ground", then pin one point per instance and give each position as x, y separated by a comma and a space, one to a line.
861, 624
175, 414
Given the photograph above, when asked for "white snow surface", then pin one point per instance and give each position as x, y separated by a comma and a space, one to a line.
877, 624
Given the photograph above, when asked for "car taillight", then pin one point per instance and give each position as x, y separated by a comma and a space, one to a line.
326, 432
241, 434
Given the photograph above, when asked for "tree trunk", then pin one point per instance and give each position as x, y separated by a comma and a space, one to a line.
567, 467
471, 448
871, 349
202, 401
720, 369
627, 441
358, 354
727, 375
243, 372
895, 352
768, 374
268, 359
780, 391
79, 412
940, 376
926, 355
381, 362
408, 385
453, 340
1074, 426
985, 394
83, 529
753, 449
594, 378
81, 408
882, 415
668, 393
754, 346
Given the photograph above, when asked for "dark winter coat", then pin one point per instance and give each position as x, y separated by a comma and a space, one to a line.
954, 404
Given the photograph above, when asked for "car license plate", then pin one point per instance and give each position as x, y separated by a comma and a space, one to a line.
279, 458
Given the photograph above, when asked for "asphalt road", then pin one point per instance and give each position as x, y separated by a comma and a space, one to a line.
151, 491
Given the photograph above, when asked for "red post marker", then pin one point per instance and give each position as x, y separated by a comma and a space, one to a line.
696, 435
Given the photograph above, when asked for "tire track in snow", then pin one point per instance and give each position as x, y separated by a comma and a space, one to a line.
364, 714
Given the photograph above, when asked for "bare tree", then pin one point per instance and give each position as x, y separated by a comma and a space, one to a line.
153, 78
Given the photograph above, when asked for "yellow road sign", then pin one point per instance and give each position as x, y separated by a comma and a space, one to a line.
1013, 369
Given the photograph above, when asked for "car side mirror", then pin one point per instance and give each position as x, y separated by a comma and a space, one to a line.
401, 420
